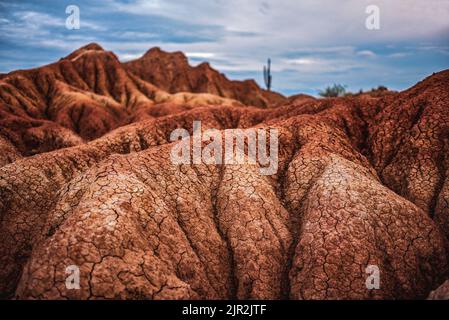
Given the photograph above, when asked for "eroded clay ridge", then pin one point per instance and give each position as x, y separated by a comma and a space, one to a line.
79, 98
172, 73
361, 181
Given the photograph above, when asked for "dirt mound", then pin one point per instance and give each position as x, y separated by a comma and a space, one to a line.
361, 185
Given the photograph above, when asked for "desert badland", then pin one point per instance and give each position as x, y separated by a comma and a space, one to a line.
86, 180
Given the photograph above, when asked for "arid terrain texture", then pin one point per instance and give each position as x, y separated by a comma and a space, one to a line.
86, 179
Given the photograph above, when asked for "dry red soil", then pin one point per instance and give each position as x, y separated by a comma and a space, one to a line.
86, 179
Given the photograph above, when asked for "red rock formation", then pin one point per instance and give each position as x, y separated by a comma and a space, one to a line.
362, 181
172, 73
88, 92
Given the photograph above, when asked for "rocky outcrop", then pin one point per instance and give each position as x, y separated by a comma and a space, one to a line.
89, 93
172, 73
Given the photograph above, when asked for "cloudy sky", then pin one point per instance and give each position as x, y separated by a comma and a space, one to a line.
312, 43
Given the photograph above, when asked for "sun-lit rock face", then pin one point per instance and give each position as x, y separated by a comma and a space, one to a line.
86, 180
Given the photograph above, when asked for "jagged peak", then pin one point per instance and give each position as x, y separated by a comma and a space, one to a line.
204, 65
153, 50
158, 52
87, 48
92, 46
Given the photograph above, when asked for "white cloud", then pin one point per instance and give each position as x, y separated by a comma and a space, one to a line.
38, 19
303, 61
201, 55
36, 23
128, 56
306, 21
399, 55
366, 53
309, 36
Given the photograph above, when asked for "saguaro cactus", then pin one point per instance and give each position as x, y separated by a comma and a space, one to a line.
267, 75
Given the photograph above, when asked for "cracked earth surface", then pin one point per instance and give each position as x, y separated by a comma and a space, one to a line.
361, 181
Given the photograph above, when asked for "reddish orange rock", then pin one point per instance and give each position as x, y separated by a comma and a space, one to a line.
86, 181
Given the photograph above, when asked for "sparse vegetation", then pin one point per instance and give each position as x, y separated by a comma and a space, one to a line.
380, 88
337, 90
267, 75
